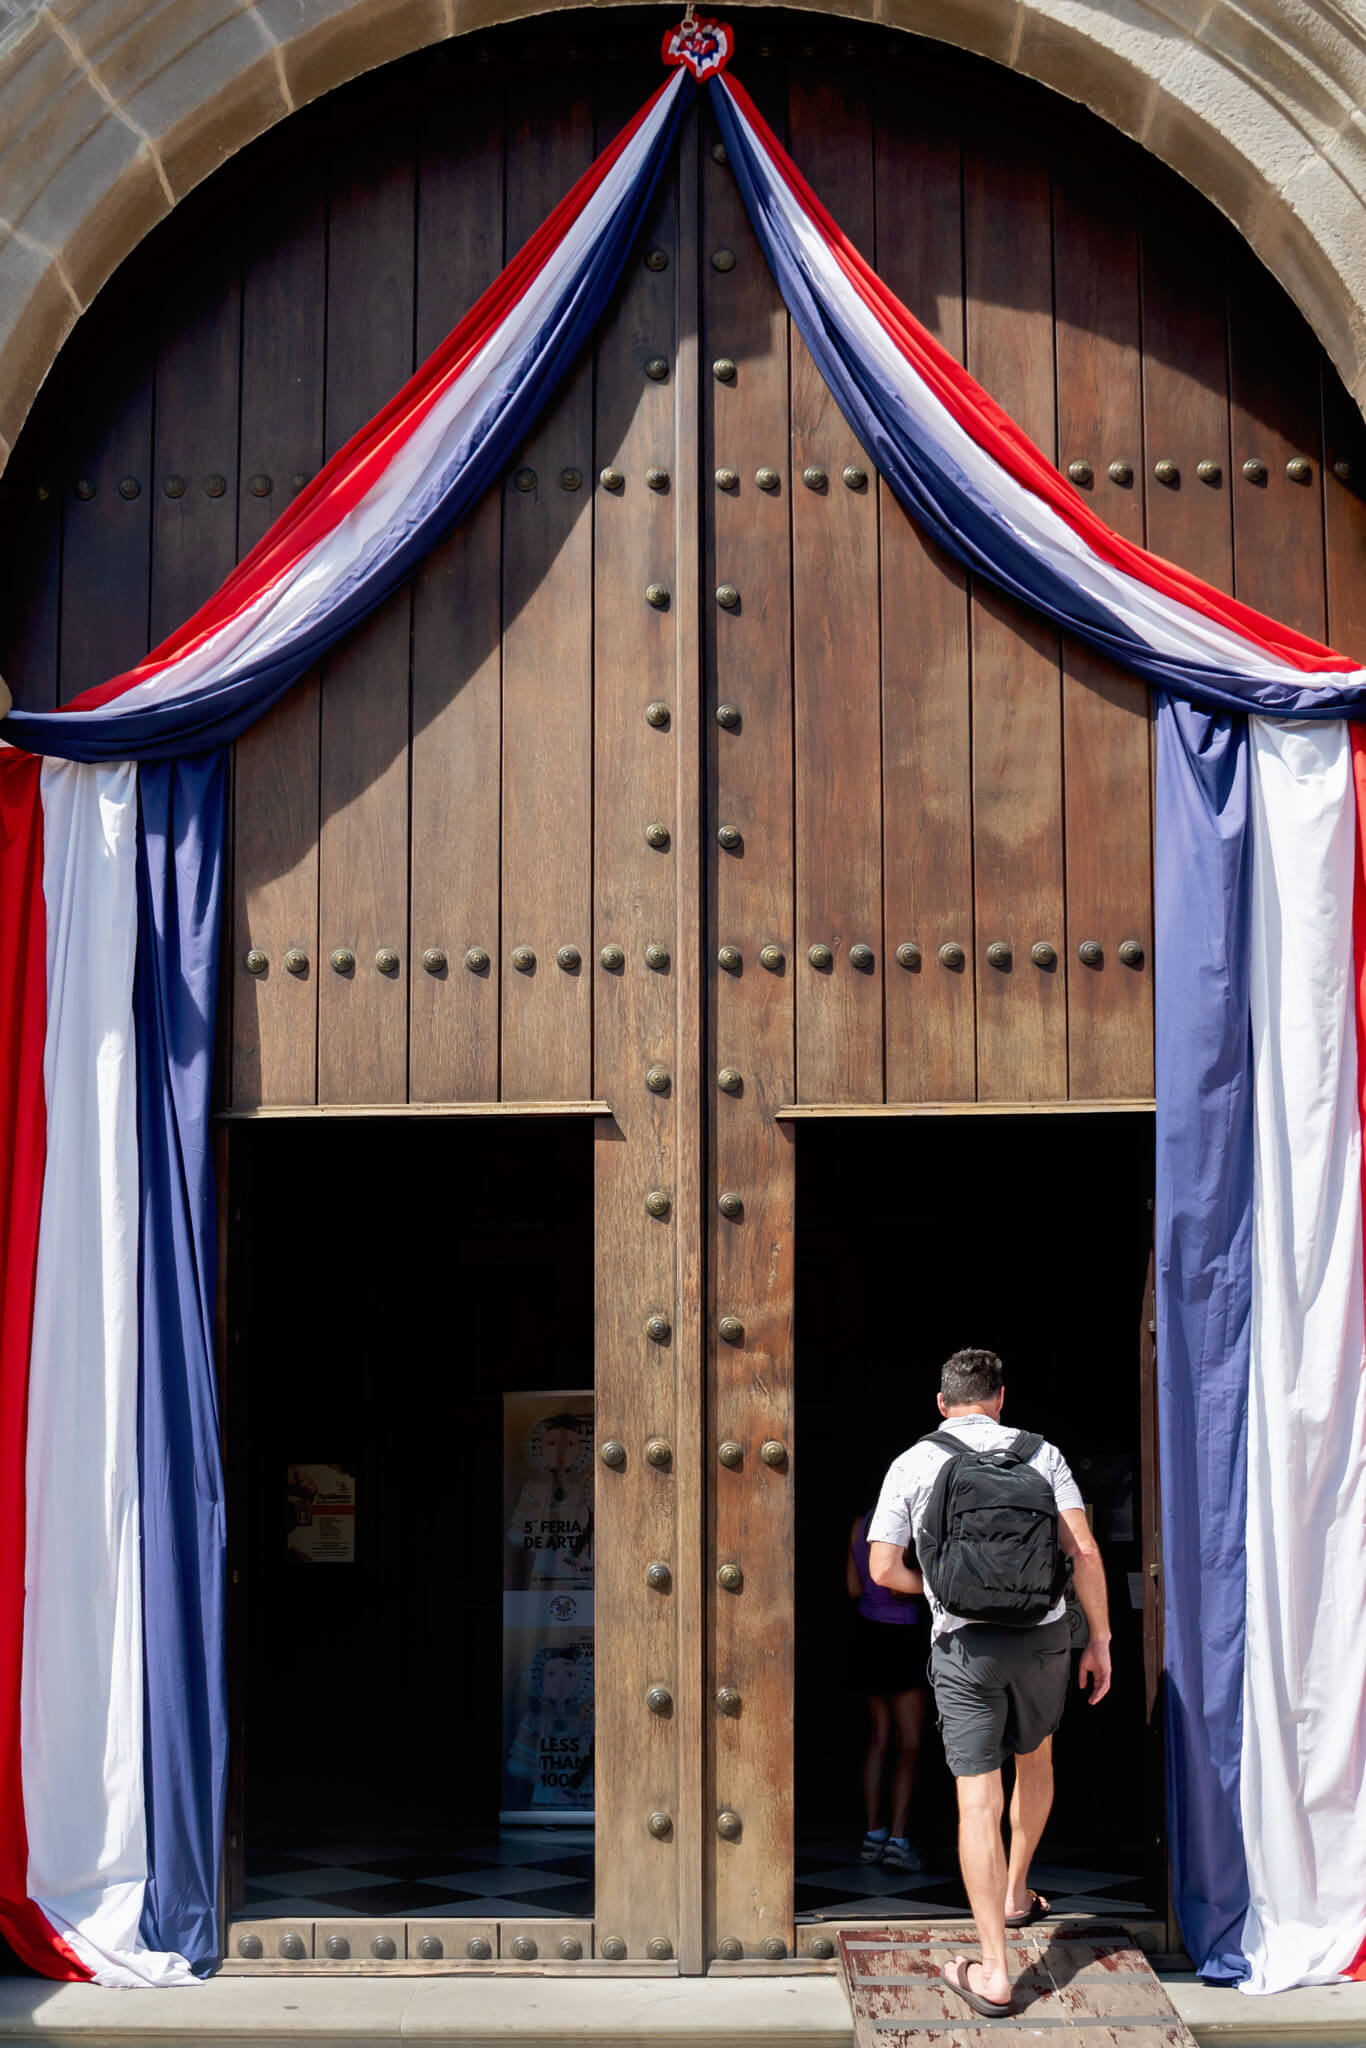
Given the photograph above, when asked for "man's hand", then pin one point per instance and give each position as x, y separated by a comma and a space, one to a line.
1095, 1665
1074, 1532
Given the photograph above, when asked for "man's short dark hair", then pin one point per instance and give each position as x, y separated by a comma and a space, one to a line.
970, 1376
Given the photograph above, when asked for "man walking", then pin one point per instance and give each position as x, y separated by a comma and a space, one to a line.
987, 1532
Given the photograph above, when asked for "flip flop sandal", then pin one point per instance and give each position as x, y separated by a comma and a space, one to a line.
988, 2007
1039, 1909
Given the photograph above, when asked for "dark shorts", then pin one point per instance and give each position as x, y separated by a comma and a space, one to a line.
888, 1657
999, 1691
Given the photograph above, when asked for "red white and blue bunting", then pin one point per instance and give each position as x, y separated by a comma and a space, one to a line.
112, 1719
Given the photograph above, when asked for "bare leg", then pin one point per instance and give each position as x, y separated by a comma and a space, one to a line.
1029, 1810
875, 1762
982, 1859
909, 1708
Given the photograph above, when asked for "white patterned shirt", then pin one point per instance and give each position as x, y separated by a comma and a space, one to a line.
906, 1491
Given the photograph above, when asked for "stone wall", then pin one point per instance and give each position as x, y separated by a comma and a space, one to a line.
111, 110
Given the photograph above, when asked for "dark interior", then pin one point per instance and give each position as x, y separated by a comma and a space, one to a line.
1030, 1236
394, 1279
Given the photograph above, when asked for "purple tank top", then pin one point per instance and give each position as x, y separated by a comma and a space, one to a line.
879, 1603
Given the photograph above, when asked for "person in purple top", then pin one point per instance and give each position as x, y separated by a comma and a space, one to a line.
889, 1656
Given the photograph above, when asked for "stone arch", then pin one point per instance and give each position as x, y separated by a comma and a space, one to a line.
110, 114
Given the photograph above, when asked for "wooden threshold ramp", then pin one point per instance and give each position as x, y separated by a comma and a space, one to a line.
1077, 1985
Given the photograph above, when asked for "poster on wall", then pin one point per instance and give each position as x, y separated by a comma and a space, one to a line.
321, 1514
547, 1608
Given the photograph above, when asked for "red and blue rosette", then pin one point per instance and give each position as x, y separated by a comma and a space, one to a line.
704, 45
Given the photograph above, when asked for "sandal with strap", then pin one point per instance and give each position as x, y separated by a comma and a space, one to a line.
1039, 1909
989, 2008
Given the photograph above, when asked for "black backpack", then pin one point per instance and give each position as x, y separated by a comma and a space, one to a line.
989, 1542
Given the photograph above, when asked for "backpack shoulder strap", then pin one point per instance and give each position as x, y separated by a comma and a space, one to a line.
946, 1441
1025, 1445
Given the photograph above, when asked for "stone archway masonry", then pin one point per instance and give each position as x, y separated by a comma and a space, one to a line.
112, 110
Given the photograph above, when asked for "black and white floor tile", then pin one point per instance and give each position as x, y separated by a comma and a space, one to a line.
525, 1874
547, 1874
832, 1884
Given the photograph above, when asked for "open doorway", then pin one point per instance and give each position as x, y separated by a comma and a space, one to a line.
409, 1430
1028, 1235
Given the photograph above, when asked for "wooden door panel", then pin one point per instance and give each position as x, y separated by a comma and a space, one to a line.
1278, 515
30, 591
457, 644
1016, 693
363, 839
548, 664
107, 538
1185, 379
194, 534
835, 642
1344, 473
931, 1037
635, 1028
1105, 712
750, 1029
275, 774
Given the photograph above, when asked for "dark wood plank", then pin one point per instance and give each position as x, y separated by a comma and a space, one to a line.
30, 591
1277, 522
106, 539
1344, 486
835, 646
363, 849
635, 905
1105, 712
750, 1026
547, 634
457, 619
693, 1821
1185, 378
275, 788
931, 1053
194, 536
1016, 693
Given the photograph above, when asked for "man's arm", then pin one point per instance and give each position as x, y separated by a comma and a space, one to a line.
885, 1562
1088, 1574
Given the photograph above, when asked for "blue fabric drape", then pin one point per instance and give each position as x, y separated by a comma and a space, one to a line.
1204, 1304
181, 831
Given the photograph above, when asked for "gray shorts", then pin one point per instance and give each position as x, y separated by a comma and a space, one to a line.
1000, 1691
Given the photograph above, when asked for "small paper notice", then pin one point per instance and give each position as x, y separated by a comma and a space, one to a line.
1135, 1588
322, 1514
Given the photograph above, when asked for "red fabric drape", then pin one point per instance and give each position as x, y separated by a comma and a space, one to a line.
23, 1151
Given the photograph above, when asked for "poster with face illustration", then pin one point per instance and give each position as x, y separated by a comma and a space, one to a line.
547, 1607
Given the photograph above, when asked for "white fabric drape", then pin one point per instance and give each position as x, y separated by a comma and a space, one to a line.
83, 1672
1304, 1759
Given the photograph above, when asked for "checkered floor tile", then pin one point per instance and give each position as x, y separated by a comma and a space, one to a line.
833, 1884
547, 1874
527, 1874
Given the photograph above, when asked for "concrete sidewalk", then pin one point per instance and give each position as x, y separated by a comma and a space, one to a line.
592, 2012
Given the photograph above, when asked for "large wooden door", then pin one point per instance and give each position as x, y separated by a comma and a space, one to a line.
687, 788
940, 896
